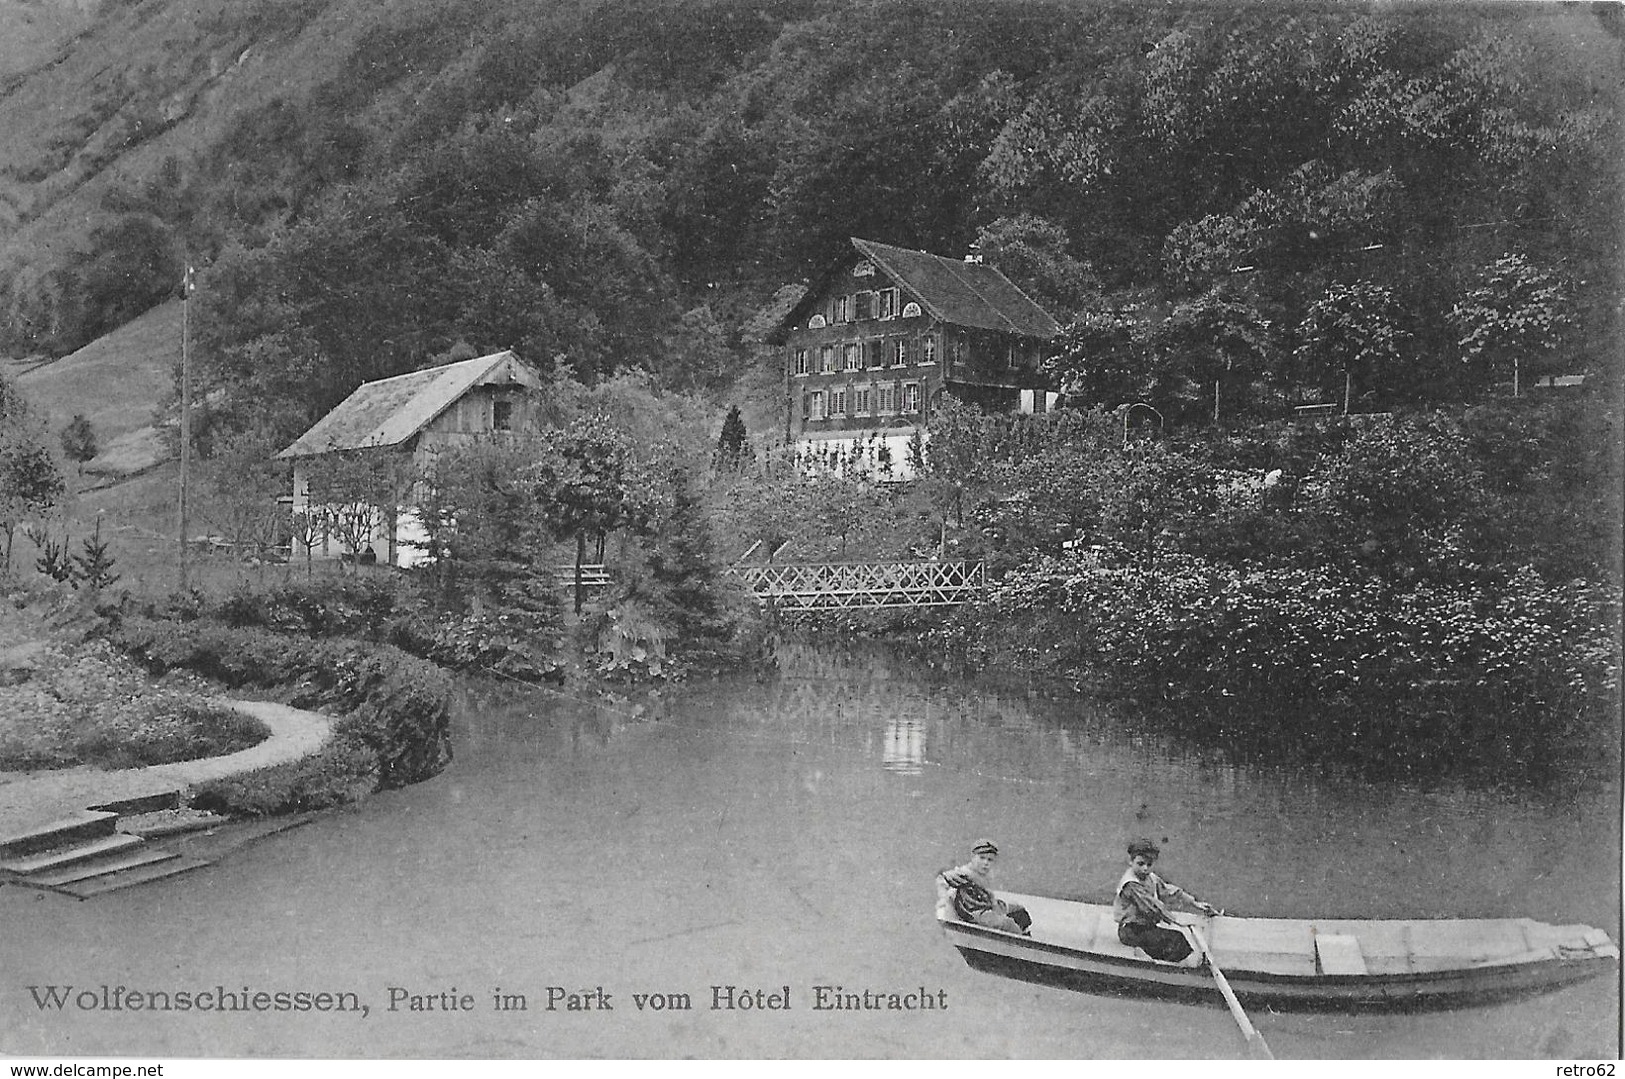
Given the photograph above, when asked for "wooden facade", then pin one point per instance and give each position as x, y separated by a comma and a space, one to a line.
871, 348
414, 415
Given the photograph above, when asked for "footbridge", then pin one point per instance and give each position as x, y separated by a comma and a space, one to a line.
858, 586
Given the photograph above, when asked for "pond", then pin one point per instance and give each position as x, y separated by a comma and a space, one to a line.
780, 832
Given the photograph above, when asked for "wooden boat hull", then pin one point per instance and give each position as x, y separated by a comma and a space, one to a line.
1555, 957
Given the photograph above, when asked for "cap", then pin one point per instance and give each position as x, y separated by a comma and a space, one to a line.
985, 846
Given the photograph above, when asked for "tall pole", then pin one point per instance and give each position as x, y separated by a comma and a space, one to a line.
186, 421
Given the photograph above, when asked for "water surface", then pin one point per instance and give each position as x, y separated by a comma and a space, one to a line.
771, 832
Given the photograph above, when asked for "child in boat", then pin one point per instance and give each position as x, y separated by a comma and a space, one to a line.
1144, 906
967, 890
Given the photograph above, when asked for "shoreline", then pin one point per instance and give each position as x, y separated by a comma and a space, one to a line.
31, 799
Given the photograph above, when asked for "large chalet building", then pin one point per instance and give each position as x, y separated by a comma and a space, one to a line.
880, 336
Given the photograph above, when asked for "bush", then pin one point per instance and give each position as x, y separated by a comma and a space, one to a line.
397, 707
338, 773
370, 608
1525, 665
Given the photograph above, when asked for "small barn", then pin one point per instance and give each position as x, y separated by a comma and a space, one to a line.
413, 415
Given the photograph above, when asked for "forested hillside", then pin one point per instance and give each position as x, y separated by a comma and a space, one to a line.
1302, 199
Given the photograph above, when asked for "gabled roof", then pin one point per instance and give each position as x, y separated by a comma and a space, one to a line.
961, 293
391, 410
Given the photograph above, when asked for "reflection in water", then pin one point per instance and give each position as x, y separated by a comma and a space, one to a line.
904, 748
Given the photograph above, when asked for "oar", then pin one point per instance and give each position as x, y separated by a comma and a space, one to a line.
1255, 1041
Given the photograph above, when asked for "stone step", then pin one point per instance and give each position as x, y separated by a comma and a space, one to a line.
146, 803
100, 867
145, 874
62, 856
85, 824
171, 822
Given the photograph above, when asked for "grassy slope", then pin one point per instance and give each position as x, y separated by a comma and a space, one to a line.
117, 381
31, 33
199, 61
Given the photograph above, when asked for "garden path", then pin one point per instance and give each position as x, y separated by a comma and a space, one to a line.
30, 799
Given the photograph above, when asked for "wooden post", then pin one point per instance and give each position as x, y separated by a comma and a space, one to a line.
186, 423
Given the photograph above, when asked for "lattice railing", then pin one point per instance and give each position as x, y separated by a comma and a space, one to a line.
845, 586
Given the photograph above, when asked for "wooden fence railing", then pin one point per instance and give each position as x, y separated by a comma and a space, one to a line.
847, 586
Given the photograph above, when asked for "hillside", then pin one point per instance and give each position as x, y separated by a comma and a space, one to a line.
33, 32
118, 382
611, 184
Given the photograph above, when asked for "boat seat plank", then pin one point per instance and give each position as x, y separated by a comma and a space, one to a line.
1340, 954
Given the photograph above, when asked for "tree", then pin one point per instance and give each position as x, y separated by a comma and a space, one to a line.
1104, 356
79, 441
590, 484
239, 484
479, 515
684, 569
93, 569
843, 504
359, 492
1517, 312
30, 482
1036, 255
732, 445
1217, 337
1352, 329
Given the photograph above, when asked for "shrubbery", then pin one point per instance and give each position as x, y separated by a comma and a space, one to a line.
518, 641
396, 708
89, 705
1421, 584
337, 773
1522, 664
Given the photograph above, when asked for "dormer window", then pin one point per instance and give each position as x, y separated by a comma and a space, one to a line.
888, 303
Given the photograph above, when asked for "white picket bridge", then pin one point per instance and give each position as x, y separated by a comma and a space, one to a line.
853, 586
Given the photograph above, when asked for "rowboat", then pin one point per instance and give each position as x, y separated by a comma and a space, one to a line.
1294, 963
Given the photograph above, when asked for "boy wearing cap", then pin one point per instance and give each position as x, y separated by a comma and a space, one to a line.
1144, 907
967, 890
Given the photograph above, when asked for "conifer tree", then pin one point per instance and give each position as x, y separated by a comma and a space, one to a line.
94, 568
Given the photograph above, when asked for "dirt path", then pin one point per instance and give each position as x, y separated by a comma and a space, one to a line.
28, 799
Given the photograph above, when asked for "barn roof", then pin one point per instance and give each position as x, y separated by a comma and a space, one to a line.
391, 410
961, 293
